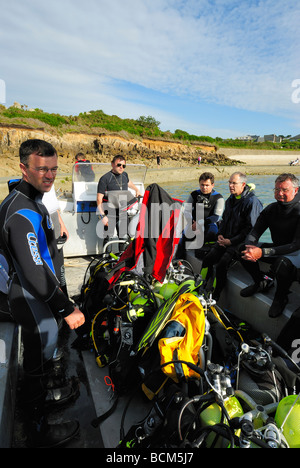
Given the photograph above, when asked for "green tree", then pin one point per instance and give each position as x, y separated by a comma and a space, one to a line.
148, 122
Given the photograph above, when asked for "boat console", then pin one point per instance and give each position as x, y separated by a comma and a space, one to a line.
79, 210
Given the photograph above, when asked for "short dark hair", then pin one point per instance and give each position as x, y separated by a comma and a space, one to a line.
118, 157
79, 156
206, 176
35, 146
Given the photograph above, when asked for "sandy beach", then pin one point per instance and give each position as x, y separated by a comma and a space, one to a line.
253, 163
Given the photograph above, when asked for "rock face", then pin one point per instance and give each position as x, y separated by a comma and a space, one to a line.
102, 147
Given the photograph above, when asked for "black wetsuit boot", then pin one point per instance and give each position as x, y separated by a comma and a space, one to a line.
254, 271
285, 273
36, 403
41, 434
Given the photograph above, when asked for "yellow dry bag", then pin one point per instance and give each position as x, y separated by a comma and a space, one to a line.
183, 337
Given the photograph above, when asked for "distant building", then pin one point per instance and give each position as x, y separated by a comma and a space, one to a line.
247, 138
294, 138
273, 138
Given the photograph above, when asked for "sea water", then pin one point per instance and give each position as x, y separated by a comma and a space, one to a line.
264, 186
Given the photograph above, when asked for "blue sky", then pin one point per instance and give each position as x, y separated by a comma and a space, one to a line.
210, 67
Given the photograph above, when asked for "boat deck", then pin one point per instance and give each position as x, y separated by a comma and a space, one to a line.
95, 396
83, 408
95, 393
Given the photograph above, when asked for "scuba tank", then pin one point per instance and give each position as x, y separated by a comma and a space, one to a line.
220, 381
213, 415
287, 418
168, 289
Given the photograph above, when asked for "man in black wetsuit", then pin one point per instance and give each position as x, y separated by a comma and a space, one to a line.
36, 300
116, 179
240, 214
283, 219
213, 204
206, 220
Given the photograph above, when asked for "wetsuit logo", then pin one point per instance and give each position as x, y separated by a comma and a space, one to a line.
32, 242
50, 223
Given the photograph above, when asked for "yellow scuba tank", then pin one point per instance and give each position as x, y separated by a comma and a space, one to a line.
167, 290
212, 415
288, 416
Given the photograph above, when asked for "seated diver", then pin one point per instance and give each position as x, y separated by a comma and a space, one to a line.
282, 218
242, 208
203, 205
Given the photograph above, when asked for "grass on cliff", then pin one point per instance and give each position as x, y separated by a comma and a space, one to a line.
97, 122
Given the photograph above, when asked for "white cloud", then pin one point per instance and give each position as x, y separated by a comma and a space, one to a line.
239, 54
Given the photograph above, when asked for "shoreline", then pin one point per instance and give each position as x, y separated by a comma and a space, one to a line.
171, 175
266, 162
263, 163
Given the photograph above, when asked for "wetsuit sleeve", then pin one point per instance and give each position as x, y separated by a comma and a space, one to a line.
284, 249
33, 263
261, 226
216, 216
257, 231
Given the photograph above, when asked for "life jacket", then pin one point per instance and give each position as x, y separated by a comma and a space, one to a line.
183, 341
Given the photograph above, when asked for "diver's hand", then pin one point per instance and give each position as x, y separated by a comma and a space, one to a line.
75, 319
252, 253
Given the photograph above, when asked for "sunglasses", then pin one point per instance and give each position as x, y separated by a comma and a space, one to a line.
123, 165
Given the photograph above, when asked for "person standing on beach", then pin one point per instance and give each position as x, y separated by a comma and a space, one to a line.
282, 218
242, 209
36, 301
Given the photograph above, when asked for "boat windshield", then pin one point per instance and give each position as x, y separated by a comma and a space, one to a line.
91, 172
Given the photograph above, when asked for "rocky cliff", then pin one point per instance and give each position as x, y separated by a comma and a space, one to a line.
102, 147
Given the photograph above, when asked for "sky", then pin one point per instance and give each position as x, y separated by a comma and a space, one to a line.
221, 68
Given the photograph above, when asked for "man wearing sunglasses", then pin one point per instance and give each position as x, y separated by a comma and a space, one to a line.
36, 300
116, 179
